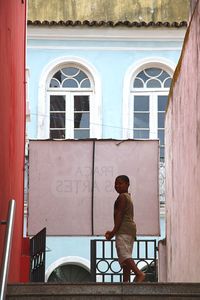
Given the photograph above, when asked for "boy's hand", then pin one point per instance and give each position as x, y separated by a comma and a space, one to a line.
109, 235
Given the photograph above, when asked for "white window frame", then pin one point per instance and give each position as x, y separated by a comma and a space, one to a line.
69, 110
153, 109
128, 92
44, 92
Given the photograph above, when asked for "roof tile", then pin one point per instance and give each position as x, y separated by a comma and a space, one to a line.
107, 23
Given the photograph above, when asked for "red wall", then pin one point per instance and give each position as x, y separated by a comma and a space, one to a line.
12, 116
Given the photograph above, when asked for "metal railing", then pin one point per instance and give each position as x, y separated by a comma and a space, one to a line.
7, 248
104, 261
37, 256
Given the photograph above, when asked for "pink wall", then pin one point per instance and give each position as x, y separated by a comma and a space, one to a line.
12, 116
183, 162
60, 185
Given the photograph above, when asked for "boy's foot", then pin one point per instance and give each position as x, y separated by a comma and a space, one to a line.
140, 277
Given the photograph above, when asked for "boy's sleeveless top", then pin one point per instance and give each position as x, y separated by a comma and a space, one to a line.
128, 226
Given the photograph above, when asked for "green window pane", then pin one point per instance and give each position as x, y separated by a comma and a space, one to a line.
141, 120
141, 134
161, 136
162, 102
57, 103
167, 83
85, 83
141, 103
80, 76
57, 120
81, 103
153, 83
70, 273
70, 83
81, 120
162, 153
153, 72
161, 120
142, 76
138, 83
54, 83
57, 79
70, 71
163, 76
57, 134
81, 134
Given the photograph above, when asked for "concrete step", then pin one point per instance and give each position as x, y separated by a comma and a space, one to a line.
104, 291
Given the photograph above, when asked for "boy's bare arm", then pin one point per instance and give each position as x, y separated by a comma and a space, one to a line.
118, 216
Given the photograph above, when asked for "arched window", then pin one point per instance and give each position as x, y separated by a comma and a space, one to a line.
69, 100
70, 93
70, 273
69, 269
149, 94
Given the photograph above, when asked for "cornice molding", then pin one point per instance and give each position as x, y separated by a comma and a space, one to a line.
111, 34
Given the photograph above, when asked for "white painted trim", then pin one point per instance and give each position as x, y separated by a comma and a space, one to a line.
111, 34
132, 71
162, 210
68, 260
43, 111
103, 48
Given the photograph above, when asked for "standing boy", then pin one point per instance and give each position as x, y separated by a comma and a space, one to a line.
124, 230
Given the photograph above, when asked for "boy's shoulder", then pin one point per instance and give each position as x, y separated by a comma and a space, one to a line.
121, 197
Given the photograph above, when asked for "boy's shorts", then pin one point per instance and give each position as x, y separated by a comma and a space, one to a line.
124, 247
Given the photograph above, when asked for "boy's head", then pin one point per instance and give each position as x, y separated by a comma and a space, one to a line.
122, 184
123, 178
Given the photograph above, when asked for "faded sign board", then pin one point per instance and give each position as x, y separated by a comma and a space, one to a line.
71, 185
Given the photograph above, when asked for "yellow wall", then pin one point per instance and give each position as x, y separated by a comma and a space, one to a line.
109, 10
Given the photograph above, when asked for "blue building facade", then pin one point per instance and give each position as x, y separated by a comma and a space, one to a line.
99, 82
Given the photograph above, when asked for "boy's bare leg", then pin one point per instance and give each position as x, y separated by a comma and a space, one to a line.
126, 273
139, 275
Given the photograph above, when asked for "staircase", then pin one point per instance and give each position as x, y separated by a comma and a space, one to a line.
103, 291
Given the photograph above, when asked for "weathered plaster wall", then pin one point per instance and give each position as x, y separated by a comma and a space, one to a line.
12, 116
183, 162
112, 10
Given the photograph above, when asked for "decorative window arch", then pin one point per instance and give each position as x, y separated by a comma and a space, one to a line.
69, 102
73, 268
148, 86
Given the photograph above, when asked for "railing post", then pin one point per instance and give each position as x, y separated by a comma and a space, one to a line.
7, 249
93, 259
